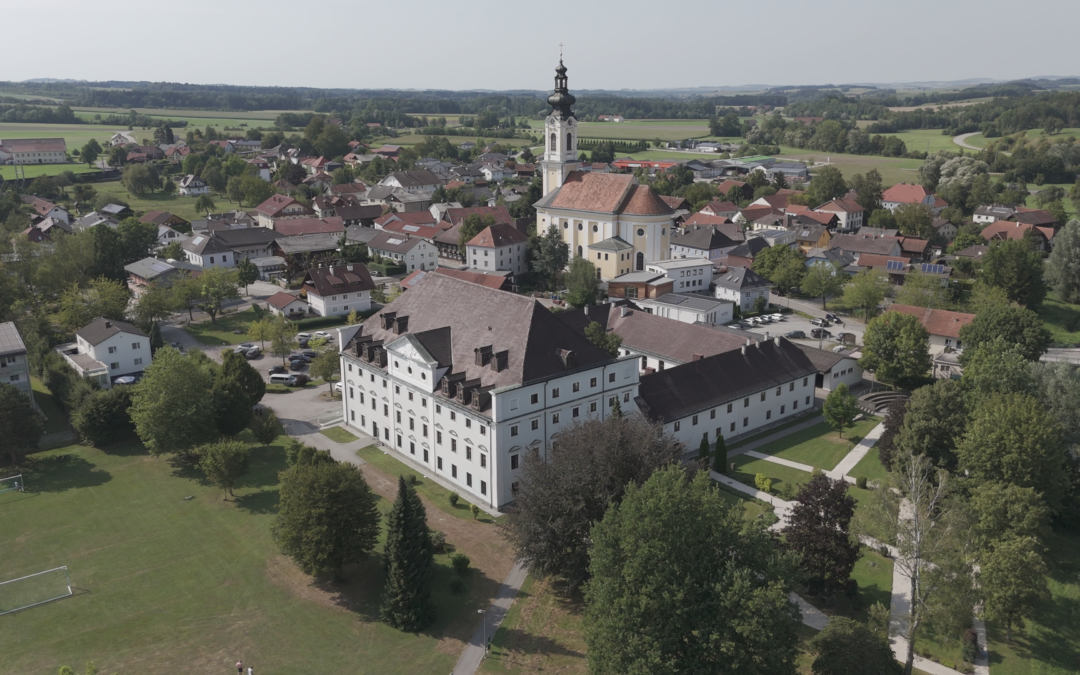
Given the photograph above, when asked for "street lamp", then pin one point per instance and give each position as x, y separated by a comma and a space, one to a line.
484, 613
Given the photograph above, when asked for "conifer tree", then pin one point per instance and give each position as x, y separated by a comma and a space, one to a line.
407, 602
703, 451
719, 462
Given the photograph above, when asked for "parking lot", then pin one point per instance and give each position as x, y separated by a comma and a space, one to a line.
794, 322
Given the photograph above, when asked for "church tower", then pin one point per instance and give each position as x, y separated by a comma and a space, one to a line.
560, 134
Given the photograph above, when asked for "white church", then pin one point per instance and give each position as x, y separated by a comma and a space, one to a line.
597, 214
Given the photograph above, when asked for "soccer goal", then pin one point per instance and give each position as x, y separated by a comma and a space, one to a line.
12, 483
34, 589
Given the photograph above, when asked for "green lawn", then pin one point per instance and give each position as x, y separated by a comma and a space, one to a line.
176, 204
751, 507
870, 467
220, 332
767, 433
927, 140
819, 446
1062, 320
35, 170
873, 572
746, 468
55, 420
339, 435
1049, 645
982, 141
435, 493
169, 577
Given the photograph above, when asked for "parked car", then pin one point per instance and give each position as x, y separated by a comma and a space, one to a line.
776, 317
833, 318
323, 334
847, 338
336, 387
795, 335
282, 378
310, 353
820, 333
125, 379
276, 370
300, 357
764, 318
296, 365
823, 323
303, 343
243, 347
253, 353
178, 346
303, 336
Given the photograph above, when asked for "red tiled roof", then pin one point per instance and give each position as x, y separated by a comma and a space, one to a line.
905, 193
700, 218
406, 218
1008, 229
726, 185
645, 202
777, 201
421, 231
291, 227
720, 207
281, 299
876, 260
479, 278
496, 236
500, 213
843, 204
937, 321
913, 244
274, 205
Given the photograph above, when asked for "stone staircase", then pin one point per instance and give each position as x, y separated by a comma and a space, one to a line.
877, 402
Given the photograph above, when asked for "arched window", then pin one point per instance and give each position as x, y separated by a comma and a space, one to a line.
579, 251
552, 143
569, 142
640, 261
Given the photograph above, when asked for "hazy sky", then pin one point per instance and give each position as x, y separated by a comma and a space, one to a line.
515, 45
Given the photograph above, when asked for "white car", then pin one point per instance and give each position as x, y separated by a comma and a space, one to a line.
336, 386
776, 317
303, 336
323, 334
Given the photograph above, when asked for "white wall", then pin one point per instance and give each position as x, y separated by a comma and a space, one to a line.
745, 299
122, 354
721, 315
513, 258
846, 371
339, 305
15, 371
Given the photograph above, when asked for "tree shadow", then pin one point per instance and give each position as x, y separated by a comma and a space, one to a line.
263, 501
361, 590
59, 473
515, 640
127, 447
264, 465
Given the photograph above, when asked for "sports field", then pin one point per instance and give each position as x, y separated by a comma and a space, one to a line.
169, 578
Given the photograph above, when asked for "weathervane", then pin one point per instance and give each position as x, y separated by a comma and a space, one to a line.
560, 52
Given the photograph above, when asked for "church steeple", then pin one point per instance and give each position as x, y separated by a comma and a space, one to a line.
560, 133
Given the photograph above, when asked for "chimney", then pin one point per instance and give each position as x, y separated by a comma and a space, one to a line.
743, 348
586, 310
482, 355
401, 325
766, 335
777, 340
624, 311
697, 357
108, 324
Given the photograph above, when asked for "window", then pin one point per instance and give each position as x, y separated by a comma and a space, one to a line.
612, 401
745, 421
794, 405
574, 413
397, 415
438, 437
397, 390
513, 404
468, 479
138, 362
438, 409
453, 415
555, 418
694, 421
134, 345
626, 397
399, 440
114, 366
592, 407
778, 391
412, 448
468, 453
677, 425
661, 368
804, 381
483, 487
746, 402
410, 395
534, 424
768, 414
732, 428
453, 445
453, 470
483, 460
513, 462
438, 463
555, 393
483, 430
425, 431
762, 396
576, 387
412, 424
783, 409
729, 408
14, 378
712, 414
534, 399
592, 382
112, 350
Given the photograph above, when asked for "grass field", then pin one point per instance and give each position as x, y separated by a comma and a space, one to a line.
1062, 320
413, 139
221, 332
873, 572
927, 140
767, 432
75, 135
175, 204
870, 467
170, 578
34, 170
339, 434
752, 508
746, 468
982, 141
55, 420
819, 446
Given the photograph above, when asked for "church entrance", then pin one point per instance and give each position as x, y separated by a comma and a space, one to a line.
640, 261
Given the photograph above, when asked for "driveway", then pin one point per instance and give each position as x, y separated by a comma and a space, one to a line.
300, 411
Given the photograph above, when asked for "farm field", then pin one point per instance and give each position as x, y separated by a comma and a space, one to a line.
413, 139
982, 141
35, 170
75, 135
169, 577
927, 140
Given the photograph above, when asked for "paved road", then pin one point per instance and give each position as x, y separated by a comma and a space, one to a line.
1062, 355
961, 140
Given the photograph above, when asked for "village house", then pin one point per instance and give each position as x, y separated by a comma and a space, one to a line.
279, 207
943, 325
338, 289
849, 213
701, 242
148, 271
106, 349
412, 252
498, 248
690, 275
14, 365
287, 305
689, 308
741, 286
33, 151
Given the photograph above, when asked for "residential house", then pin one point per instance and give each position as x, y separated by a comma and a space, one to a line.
743, 254
420, 180
690, 308
456, 214
906, 193
742, 286
612, 257
254, 242
415, 218
280, 207
287, 305
690, 275
43, 209
720, 209
157, 271
1042, 236
850, 214
974, 252
834, 368
858, 244
943, 325
1036, 217
945, 229
338, 289
643, 284
14, 365
291, 227
777, 202
917, 249
466, 381
106, 349
33, 151
308, 248
993, 212
122, 138
831, 256
270, 267
701, 242
43, 230
93, 219
140, 154
811, 236
116, 211
746, 191
412, 252
206, 251
499, 247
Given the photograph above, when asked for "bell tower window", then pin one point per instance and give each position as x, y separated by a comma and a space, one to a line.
552, 148
569, 142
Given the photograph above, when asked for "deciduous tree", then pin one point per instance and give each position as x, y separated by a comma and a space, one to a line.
247, 273
205, 204
923, 290
896, 348
655, 555
839, 409
472, 226
551, 256
823, 280
561, 495
216, 285
327, 516
103, 417
582, 283
847, 647
326, 365
224, 463
1015, 325
609, 342
915, 220
1001, 511
934, 422
91, 151
828, 184
866, 290
1063, 268
819, 531
408, 557
171, 405
1016, 267
1013, 580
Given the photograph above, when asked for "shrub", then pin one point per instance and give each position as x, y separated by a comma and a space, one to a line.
970, 645
815, 472
763, 483
277, 389
457, 585
475, 511
787, 492
411, 480
438, 541
103, 417
884, 551
454, 497
460, 561
860, 482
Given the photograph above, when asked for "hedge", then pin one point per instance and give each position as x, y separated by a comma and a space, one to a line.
386, 269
